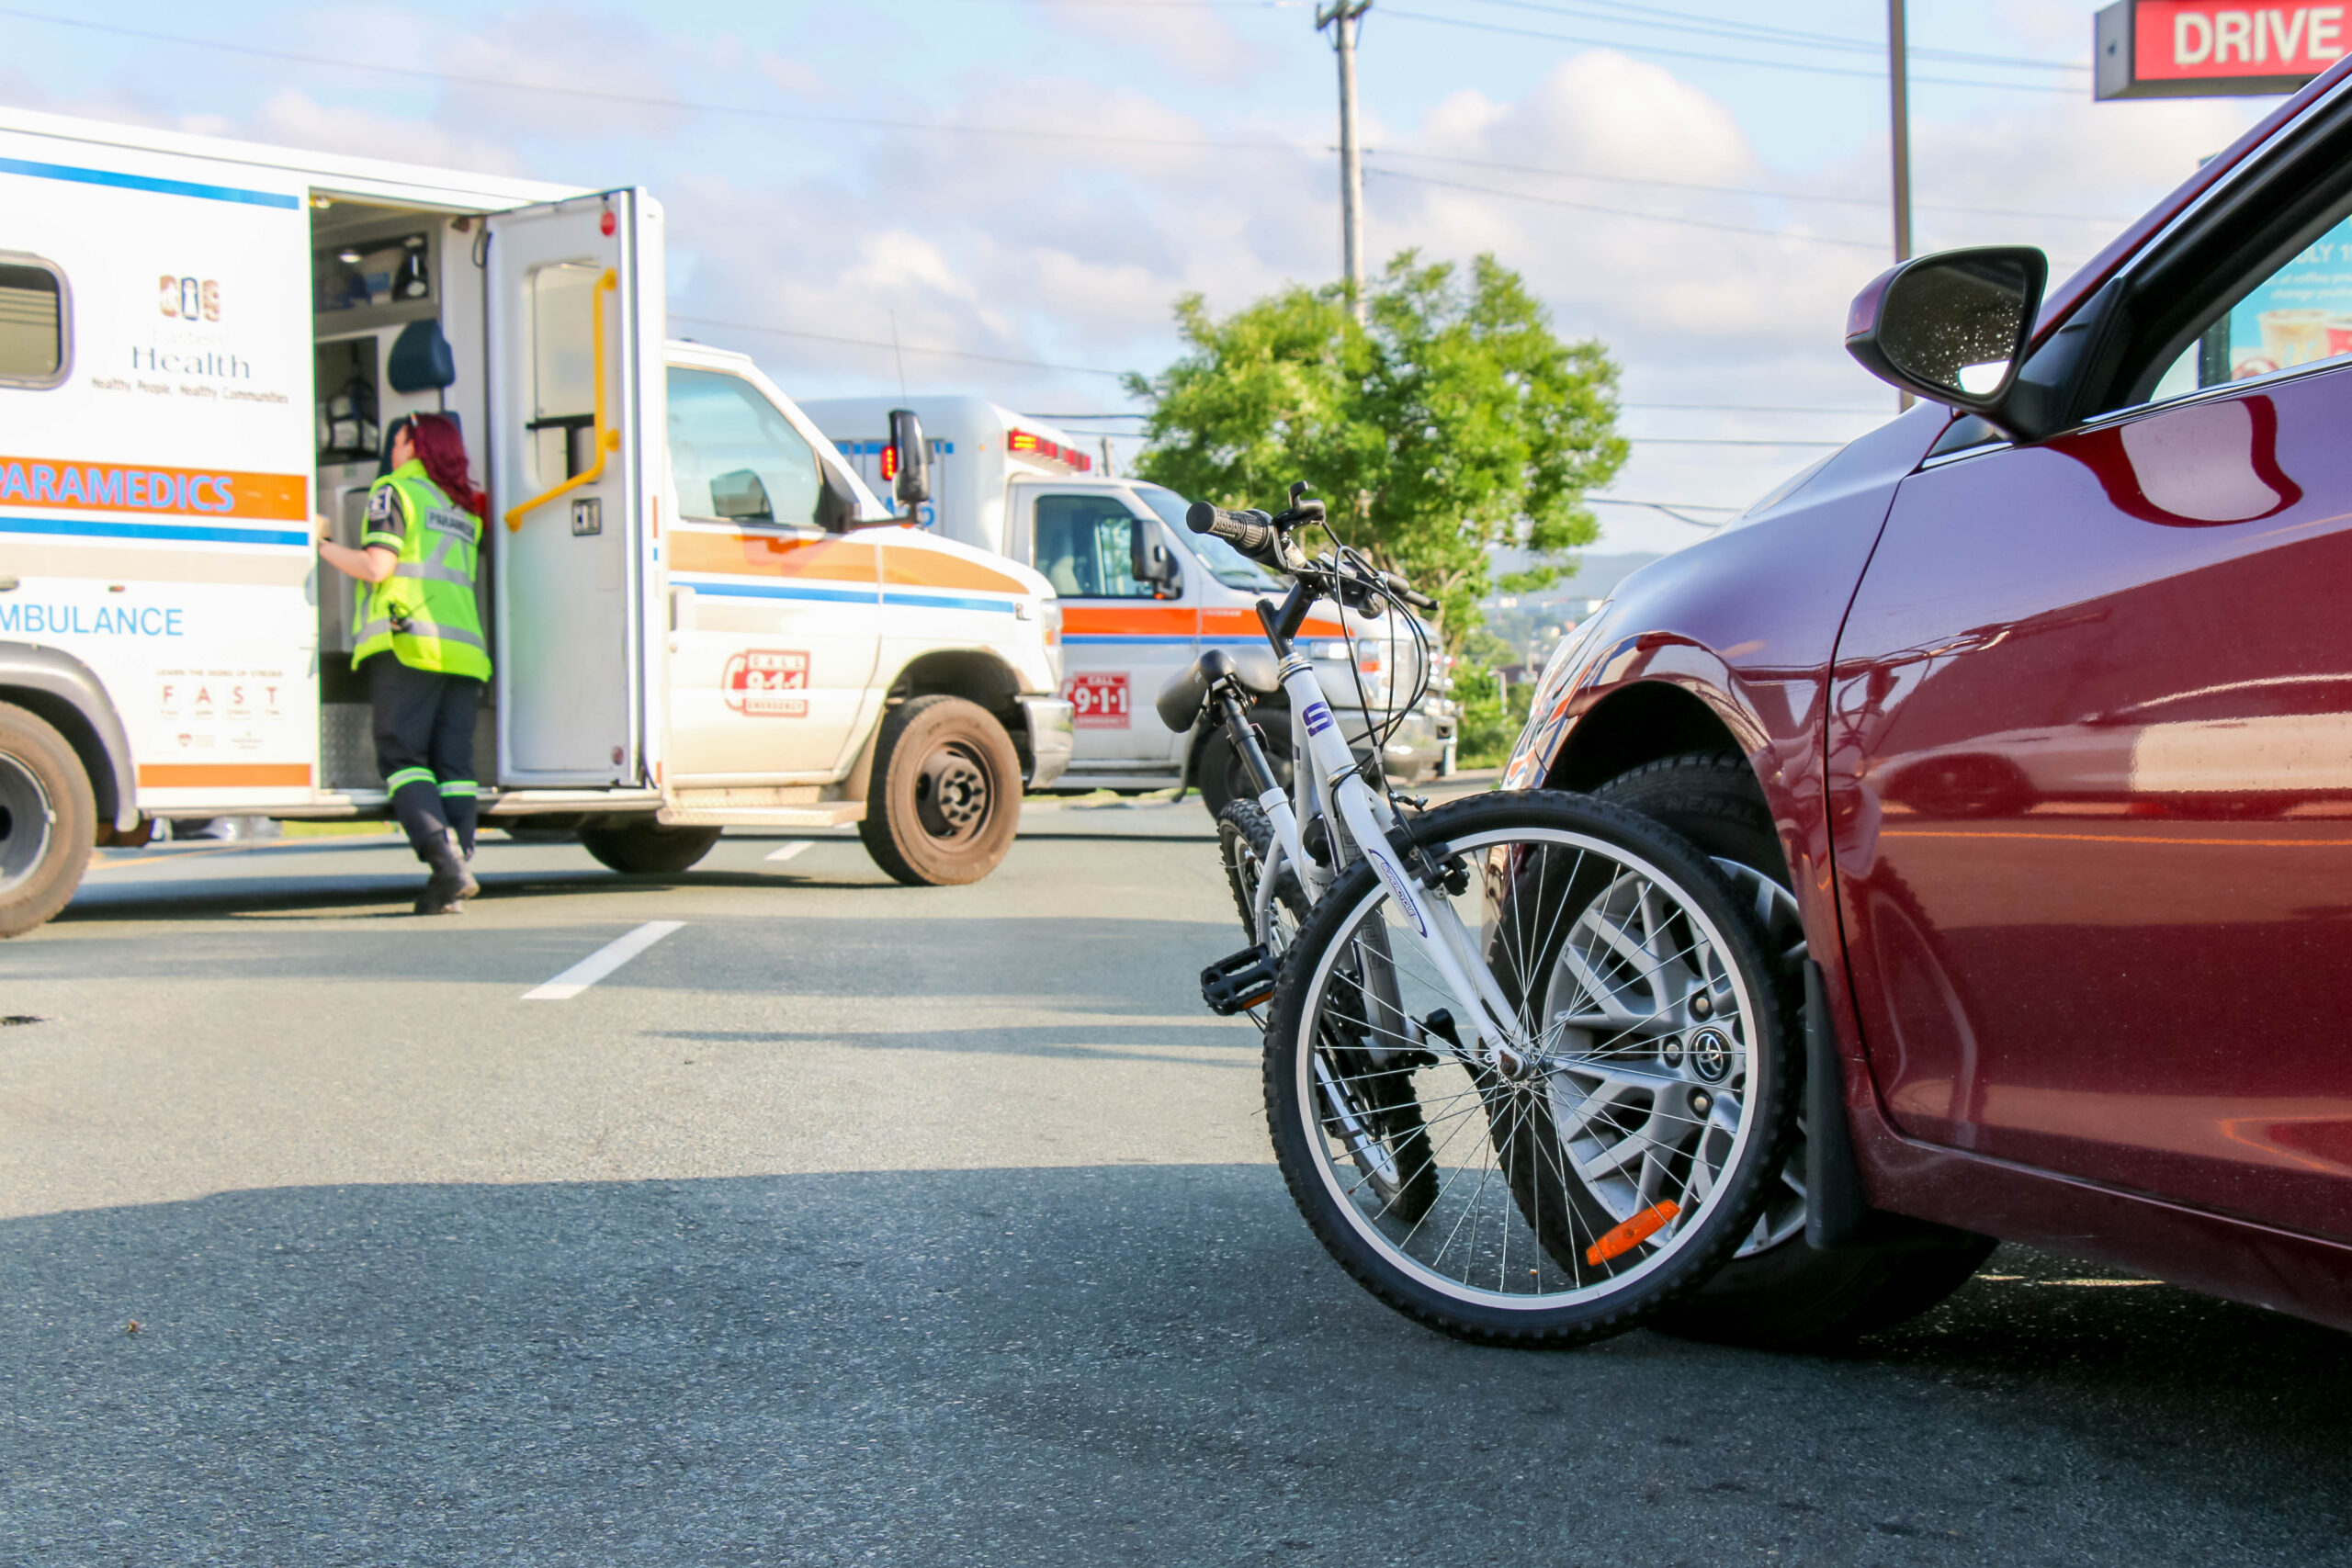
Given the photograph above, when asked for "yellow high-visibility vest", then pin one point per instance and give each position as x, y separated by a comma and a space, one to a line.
424, 612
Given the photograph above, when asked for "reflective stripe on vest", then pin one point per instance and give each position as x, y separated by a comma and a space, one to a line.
424, 613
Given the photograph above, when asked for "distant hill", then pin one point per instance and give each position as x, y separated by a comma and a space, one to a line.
1533, 622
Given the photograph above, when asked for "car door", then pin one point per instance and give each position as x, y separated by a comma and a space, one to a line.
775, 621
2091, 761
1123, 636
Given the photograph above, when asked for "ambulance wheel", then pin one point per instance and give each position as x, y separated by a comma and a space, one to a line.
48, 820
944, 798
648, 848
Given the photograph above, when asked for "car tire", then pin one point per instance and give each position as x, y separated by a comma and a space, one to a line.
1786, 1295
944, 800
48, 820
647, 848
1219, 773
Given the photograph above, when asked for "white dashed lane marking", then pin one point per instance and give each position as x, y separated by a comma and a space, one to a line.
789, 850
602, 962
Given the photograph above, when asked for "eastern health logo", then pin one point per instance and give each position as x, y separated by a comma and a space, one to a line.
190, 299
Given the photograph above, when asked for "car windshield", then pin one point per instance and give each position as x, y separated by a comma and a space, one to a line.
1226, 564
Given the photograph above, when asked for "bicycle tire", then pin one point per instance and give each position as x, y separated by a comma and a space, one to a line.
1478, 1111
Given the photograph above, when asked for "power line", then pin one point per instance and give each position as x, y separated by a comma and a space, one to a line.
646, 100
1674, 509
1873, 202
1724, 441
1725, 27
1757, 408
907, 349
1627, 212
1718, 59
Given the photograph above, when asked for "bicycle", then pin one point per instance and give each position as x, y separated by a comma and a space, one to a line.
1527, 1073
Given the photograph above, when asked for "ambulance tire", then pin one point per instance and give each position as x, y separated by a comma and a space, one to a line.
648, 848
48, 820
944, 800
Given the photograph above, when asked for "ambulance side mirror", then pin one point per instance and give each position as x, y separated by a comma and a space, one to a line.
1149, 561
910, 459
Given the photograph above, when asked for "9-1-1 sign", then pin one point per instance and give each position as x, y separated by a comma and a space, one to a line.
2189, 49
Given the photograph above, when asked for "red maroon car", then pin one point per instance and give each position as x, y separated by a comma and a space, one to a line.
2038, 700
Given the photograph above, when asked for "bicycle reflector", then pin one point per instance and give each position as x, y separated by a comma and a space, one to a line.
1633, 1233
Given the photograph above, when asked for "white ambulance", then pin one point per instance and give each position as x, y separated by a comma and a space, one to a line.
1141, 594
699, 616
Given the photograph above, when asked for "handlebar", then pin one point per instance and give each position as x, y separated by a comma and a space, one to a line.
1407, 592
1252, 532
1260, 535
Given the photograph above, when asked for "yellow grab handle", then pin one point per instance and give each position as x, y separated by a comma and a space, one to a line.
606, 440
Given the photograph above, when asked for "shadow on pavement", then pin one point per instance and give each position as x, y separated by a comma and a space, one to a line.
1052, 1365
782, 955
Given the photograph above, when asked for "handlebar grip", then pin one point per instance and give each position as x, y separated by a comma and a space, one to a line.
1406, 591
1245, 531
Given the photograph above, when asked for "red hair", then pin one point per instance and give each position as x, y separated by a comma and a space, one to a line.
442, 450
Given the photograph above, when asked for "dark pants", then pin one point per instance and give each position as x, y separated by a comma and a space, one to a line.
425, 746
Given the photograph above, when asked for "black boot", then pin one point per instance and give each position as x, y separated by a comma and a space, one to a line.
451, 884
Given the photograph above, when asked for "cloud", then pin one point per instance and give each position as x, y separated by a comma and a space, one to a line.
1192, 38
293, 118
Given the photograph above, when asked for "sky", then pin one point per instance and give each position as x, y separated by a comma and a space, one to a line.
1013, 193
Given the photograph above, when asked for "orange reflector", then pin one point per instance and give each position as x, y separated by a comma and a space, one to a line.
1633, 1233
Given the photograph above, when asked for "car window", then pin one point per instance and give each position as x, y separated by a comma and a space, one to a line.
1085, 547
735, 458
36, 335
1226, 564
2278, 317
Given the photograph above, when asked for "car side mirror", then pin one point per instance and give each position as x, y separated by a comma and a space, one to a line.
909, 459
1952, 327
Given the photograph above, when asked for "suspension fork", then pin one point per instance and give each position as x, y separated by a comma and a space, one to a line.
1367, 819
1271, 798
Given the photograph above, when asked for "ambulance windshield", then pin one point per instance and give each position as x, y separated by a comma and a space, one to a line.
1226, 564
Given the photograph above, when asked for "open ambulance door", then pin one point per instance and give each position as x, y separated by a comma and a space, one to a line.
576, 426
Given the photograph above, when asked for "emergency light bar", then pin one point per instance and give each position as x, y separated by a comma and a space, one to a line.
1022, 441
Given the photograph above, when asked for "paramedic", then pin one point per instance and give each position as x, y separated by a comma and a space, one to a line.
419, 638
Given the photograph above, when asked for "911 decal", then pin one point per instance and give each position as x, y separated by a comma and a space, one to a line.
1098, 699
756, 684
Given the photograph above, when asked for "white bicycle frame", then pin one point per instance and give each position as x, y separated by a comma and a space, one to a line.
1328, 781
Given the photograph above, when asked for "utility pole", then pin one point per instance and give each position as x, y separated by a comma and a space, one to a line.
1343, 16
1898, 80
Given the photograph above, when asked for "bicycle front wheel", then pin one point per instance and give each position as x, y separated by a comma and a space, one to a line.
1608, 1161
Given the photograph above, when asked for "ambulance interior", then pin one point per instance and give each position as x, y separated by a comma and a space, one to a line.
397, 328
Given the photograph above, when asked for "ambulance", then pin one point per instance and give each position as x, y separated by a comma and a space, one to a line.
1141, 594
699, 616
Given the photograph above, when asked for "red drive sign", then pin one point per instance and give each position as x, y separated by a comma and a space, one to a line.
1098, 699
2175, 49
761, 683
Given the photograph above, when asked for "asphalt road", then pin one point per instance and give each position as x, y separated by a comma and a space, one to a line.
855, 1224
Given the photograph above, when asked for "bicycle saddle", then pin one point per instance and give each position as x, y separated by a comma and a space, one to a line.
1179, 700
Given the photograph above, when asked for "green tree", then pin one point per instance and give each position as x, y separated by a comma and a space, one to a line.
1451, 423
